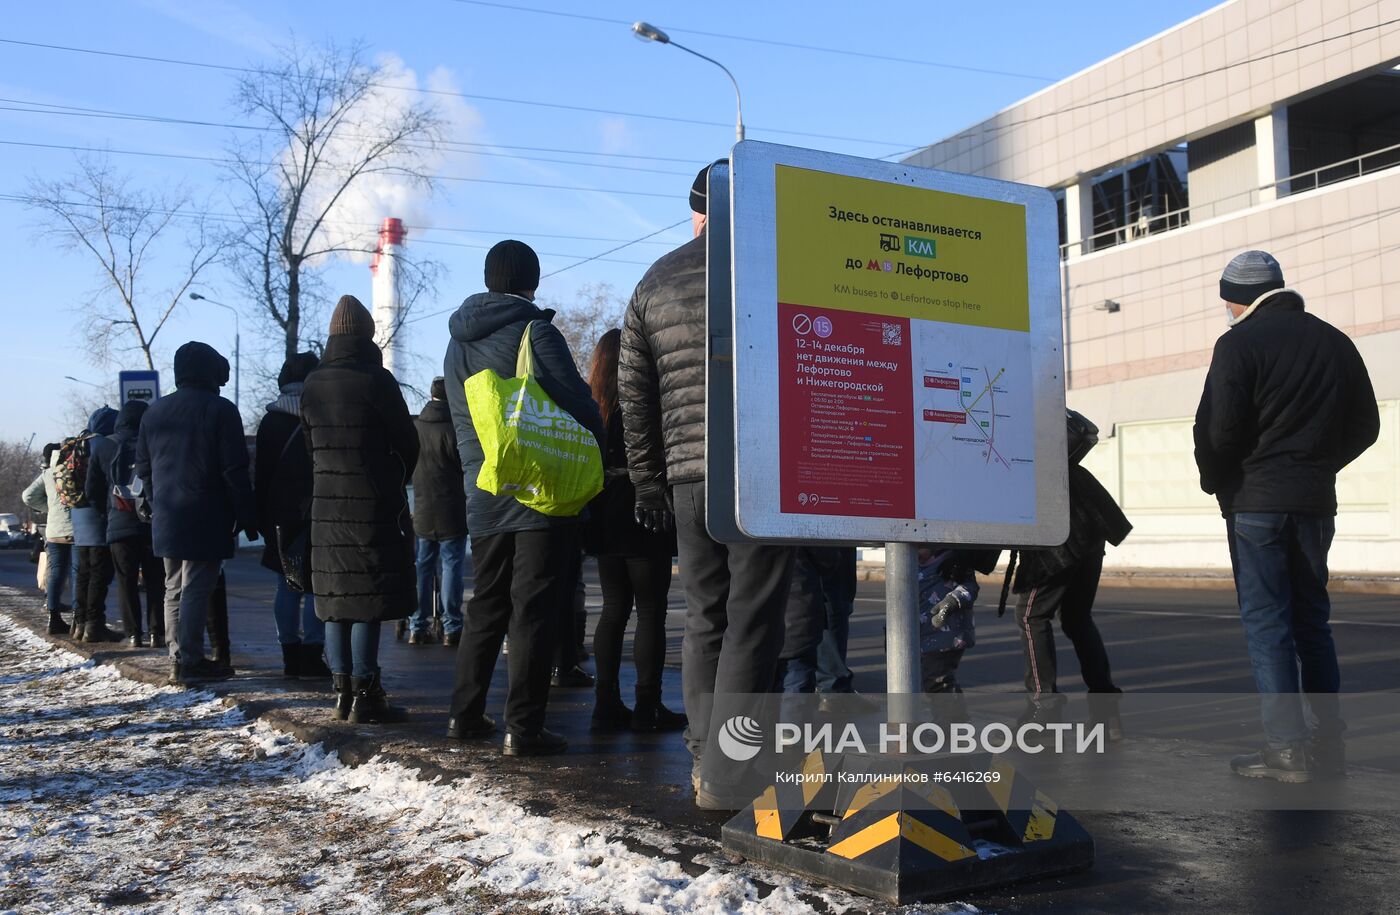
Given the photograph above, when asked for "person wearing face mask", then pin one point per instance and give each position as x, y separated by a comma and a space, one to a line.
1287, 404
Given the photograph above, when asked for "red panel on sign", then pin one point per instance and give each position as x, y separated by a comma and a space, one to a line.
845, 397
942, 383
945, 416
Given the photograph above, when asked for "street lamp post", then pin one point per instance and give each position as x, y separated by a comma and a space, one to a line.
237, 334
647, 32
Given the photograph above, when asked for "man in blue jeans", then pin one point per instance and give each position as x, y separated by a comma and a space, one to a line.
440, 521
1287, 404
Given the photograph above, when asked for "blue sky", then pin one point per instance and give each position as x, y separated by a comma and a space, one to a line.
911, 74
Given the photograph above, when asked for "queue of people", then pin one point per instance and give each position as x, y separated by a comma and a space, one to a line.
166, 489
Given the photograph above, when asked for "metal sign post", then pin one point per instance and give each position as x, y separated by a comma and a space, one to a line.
885, 366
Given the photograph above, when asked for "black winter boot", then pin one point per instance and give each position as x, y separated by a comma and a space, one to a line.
312, 662
291, 660
343, 696
56, 624
651, 715
1286, 764
98, 632
370, 705
609, 714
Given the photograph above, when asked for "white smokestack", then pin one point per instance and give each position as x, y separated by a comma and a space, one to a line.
389, 333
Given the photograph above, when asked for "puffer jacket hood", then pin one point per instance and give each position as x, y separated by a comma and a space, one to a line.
129, 419
103, 421
199, 365
483, 314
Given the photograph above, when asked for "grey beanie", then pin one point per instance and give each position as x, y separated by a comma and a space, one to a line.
1250, 275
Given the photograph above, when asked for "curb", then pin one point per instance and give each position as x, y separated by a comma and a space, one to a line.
1188, 580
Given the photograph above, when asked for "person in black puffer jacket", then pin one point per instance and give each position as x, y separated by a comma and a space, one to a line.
363, 451
193, 462
735, 594
524, 562
112, 463
282, 486
1287, 404
440, 521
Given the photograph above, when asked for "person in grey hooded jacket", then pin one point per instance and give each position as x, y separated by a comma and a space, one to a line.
524, 562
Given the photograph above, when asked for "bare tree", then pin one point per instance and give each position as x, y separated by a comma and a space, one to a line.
594, 310
99, 211
19, 465
335, 124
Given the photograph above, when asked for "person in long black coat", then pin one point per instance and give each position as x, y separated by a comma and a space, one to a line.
282, 487
363, 451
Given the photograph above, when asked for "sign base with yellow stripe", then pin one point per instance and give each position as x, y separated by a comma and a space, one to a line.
904, 830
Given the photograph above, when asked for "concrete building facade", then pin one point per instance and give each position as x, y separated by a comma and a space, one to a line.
1269, 124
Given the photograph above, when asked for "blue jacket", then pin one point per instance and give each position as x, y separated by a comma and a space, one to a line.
193, 461
113, 459
89, 524
486, 333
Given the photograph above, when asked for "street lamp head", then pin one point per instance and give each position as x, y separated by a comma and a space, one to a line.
645, 31
196, 296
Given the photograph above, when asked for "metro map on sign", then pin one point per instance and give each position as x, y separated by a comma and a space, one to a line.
976, 408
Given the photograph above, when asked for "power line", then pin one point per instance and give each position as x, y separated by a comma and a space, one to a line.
232, 219
457, 178
560, 106
440, 146
618, 248
886, 58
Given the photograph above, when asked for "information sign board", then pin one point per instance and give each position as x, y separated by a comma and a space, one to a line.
897, 368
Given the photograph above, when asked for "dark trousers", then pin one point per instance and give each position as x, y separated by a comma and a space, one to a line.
1070, 594
216, 622
735, 595
573, 618
94, 578
1280, 565
133, 560
520, 580
60, 565
627, 580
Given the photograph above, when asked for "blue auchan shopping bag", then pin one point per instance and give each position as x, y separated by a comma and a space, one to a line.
534, 450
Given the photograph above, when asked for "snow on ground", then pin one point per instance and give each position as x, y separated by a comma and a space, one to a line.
116, 795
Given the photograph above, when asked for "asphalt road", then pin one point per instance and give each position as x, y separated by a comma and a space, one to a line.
1158, 641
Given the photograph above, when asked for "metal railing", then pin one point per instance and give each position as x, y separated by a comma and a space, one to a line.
1312, 179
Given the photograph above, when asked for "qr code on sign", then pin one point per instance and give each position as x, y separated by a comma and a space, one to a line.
893, 334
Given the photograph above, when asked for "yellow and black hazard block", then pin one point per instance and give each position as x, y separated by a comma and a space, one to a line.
906, 831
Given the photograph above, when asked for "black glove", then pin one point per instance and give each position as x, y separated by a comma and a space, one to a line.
655, 512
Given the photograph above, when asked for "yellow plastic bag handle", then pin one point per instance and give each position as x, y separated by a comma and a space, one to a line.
525, 356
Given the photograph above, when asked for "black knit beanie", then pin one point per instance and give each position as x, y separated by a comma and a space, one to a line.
297, 368
512, 266
1250, 275
700, 190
